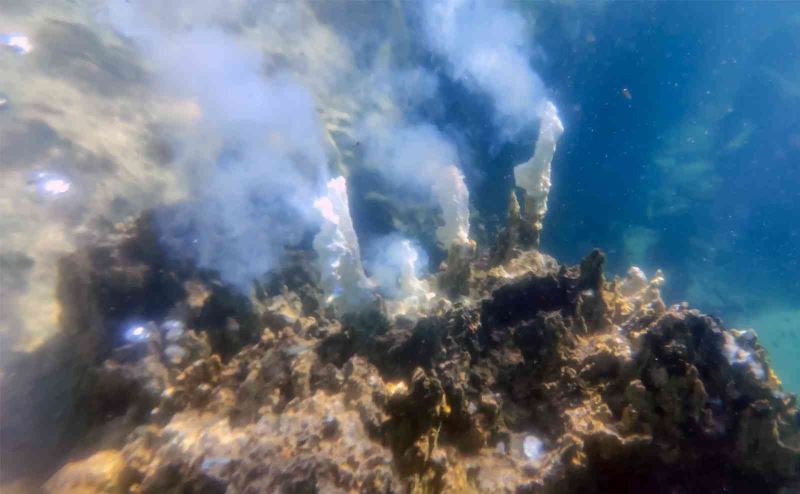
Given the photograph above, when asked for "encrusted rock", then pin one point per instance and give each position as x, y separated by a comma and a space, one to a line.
545, 378
102, 472
454, 280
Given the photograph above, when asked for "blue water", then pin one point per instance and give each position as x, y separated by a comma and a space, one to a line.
682, 151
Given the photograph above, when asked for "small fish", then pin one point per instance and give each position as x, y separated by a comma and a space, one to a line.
626, 93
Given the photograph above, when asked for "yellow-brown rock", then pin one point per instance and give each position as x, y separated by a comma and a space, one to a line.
101, 473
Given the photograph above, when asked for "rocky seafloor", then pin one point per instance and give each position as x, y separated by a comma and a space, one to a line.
533, 377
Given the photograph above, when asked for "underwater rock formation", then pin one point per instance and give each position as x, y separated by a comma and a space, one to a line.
540, 378
414, 294
342, 276
453, 197
533, 176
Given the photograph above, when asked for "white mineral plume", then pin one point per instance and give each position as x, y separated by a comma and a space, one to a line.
342, 276
413, 291
534, 174
453, 197
634, 282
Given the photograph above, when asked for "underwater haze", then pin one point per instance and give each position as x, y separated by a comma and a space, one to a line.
683, 153
210, 195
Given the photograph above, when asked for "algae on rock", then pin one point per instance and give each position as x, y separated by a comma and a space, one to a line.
623, 394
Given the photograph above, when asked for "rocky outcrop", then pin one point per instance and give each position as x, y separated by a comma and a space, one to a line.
540, 378
111, 292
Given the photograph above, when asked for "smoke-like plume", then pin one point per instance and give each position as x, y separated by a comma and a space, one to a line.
228, 113
263, 156
487, 47
395, 265
420, 156
265, 139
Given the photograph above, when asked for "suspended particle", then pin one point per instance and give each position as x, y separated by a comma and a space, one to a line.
173, 329
137, 333
18, 43
532, 446
51, 184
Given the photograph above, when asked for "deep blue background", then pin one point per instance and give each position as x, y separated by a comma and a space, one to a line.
674, 59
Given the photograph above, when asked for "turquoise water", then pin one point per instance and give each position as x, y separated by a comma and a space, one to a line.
684, 153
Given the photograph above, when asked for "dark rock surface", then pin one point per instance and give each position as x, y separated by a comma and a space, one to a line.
539, 378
